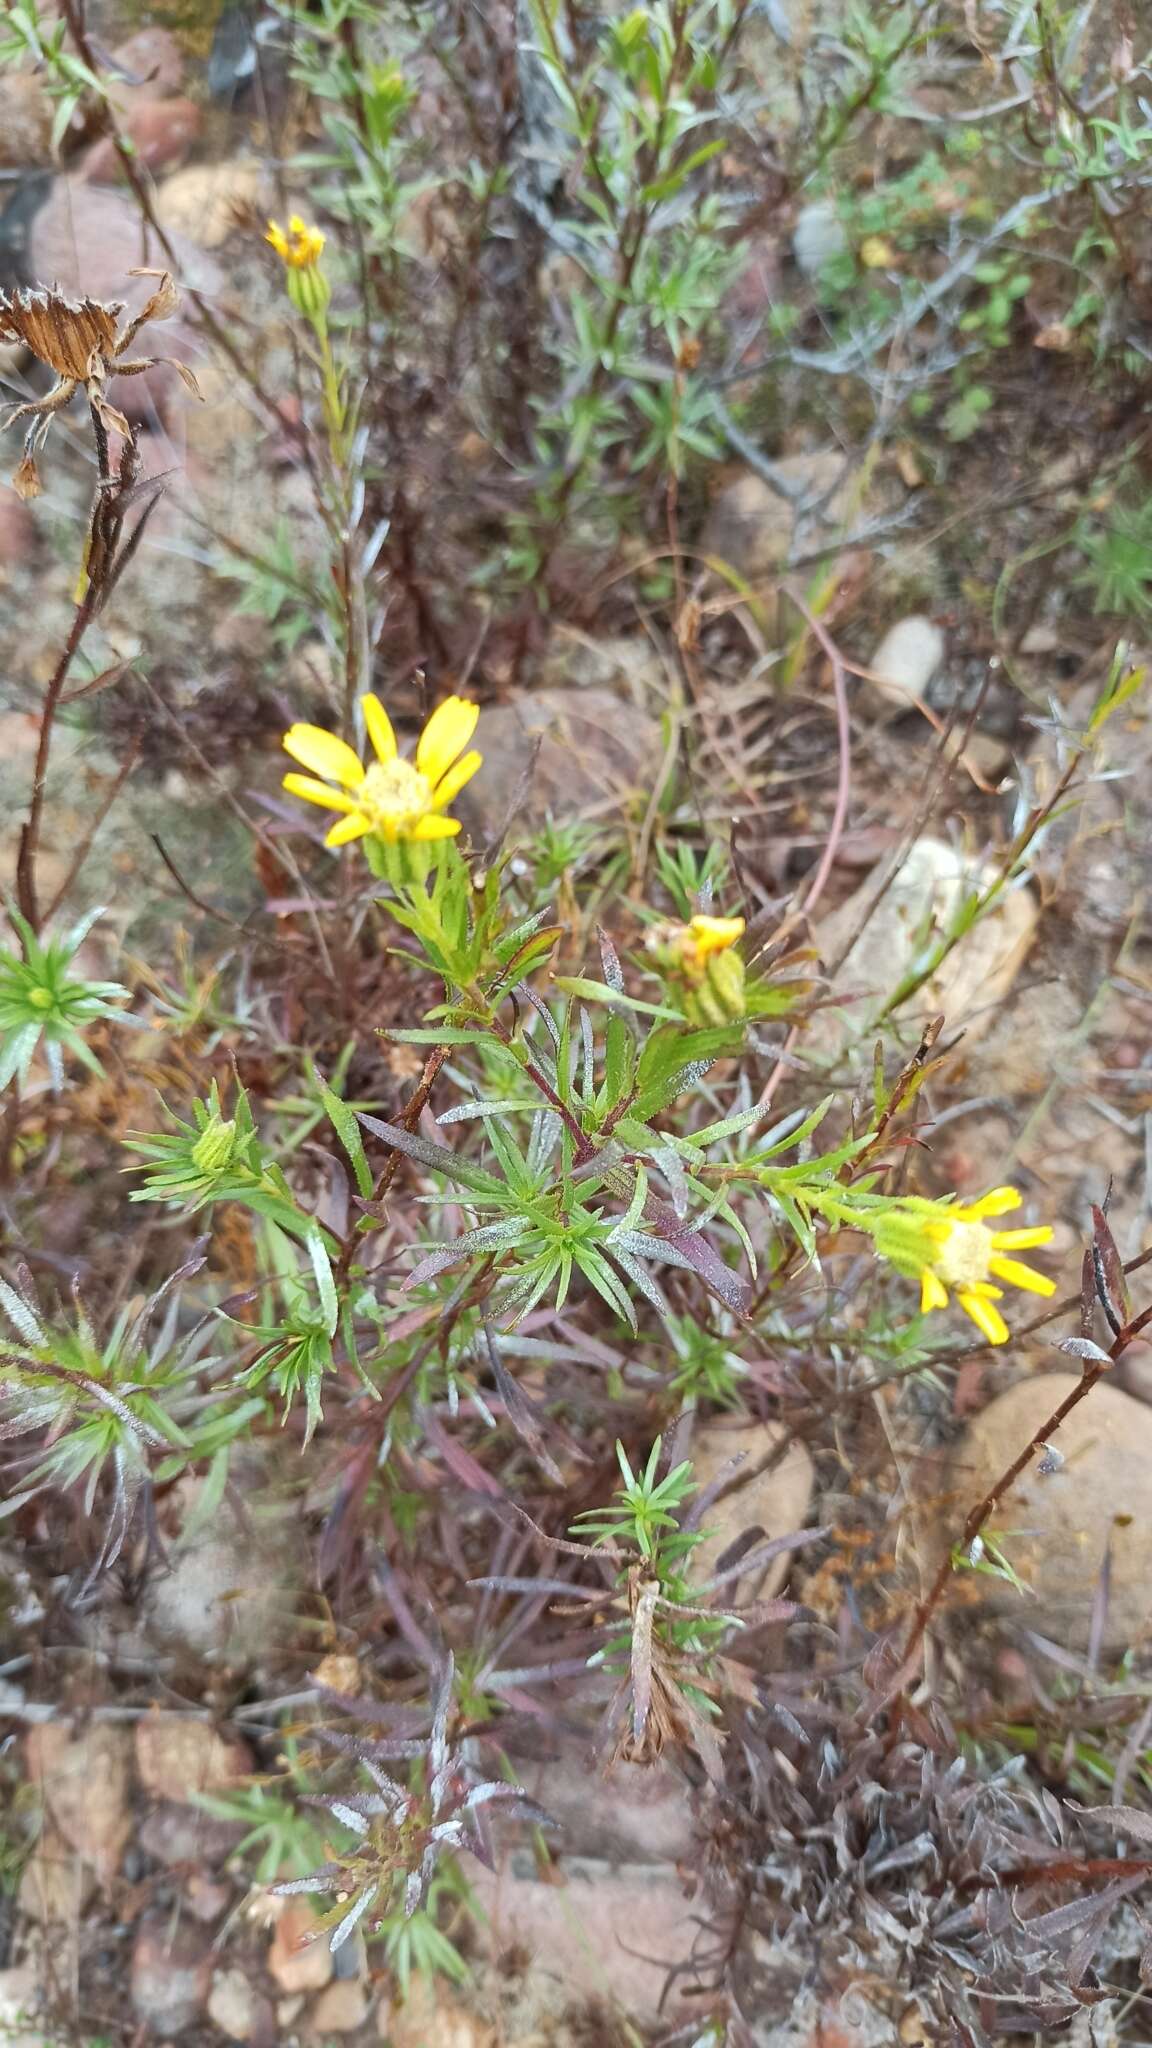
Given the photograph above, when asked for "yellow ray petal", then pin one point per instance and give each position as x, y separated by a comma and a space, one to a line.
315, 792
715, 934
933, 1293
988, 1320
1017, 1274
446, 734
379, 727
995, 1203
348, 828
939, 1233
432, 827
324, 754
1022, 1240
451, 784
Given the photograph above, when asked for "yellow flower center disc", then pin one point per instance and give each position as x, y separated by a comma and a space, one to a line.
394, 795
964, 1254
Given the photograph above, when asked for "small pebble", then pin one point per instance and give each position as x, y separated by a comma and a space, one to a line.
906, 660
171, 1975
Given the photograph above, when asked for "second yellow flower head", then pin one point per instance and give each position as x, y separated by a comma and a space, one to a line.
968, 1257
392, 797
300, 248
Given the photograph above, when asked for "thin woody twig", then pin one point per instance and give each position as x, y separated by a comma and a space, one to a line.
104, 528
1094, 1287
839, 811
85, 846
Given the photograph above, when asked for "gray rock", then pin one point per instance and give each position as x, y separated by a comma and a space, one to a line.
905, 662
774, 1501
234, 1588
173, 1834
605, 1935
21, 1995
596, 755
818, 238
1055, 1528
753, 529
627, 663
914, 914
171, 1973
238, 2008
633, 1812
179, 1757
25, 120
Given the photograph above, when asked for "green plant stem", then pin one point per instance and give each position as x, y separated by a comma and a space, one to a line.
632, 236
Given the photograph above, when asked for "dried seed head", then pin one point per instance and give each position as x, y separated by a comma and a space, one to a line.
67, 334
81, 340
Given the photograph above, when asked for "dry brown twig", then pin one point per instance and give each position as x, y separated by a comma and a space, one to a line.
1103, 1283
81, 340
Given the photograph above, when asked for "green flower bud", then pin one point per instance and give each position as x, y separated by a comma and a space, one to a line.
309, 291
633, 29
213, 1148
724, 979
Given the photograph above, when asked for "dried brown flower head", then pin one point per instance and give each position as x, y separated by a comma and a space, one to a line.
80, 339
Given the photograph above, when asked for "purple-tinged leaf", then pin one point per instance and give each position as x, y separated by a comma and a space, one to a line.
762, 1613
520, 1412
500, 1583
528, 994
438, 1157
755, 1560
1108, 1270
490, 1237
460, 1462
1124, 1820
610, 961
410, 1629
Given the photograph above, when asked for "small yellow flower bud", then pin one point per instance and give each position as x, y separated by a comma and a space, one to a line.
717, 996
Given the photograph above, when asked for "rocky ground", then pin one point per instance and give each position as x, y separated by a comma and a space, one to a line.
123, 1722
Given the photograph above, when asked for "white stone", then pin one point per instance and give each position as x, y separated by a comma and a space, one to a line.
818, 238
911, 918
906, 660
233, 2004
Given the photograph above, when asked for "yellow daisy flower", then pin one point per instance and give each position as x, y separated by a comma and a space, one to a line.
300, 248
395, 798
968, 1258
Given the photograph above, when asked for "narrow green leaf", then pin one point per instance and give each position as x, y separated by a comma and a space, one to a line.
343, 1122
325, 1284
